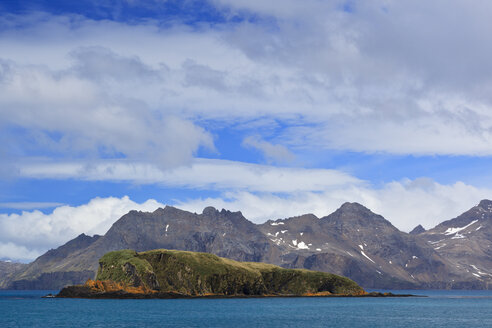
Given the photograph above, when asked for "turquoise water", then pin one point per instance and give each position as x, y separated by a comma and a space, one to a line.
440, 309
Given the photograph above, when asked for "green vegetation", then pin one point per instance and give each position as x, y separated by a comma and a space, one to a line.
192, 273
124, 266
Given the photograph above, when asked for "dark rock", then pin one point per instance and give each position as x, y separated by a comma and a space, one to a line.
417, 230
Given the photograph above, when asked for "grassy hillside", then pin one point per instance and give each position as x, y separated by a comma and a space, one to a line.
195, 274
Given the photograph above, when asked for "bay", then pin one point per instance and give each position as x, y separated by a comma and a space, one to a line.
439, 309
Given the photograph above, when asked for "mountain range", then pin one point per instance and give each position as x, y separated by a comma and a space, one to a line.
353, 241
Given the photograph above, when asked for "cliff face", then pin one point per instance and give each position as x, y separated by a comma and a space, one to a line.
194, 274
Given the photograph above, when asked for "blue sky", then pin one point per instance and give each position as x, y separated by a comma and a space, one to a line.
273, 108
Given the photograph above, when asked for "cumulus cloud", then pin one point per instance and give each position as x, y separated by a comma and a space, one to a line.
404, 203
62, 113
29, 234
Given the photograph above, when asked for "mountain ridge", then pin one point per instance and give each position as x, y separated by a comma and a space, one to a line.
353, 241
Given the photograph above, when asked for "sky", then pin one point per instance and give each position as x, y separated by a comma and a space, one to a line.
271, 108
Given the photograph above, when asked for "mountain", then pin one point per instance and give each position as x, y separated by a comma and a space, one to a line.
418, 229
353, 241
224, 233
168, 273
466, 241
55, 267
9, 268
357, 243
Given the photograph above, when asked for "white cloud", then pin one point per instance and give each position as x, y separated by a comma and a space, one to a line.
18, 253
201, 174
389, 76
29, 205
405, 203
273, 153
26, 235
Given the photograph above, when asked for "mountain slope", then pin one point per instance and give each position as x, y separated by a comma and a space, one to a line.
353, 241
55, 268
466, 241
223, 233
9, 268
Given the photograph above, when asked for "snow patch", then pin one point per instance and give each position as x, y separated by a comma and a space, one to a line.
276, 223
302, 245
318, 249
414, 257
301, 233
283, 231
452, 231
294, 242
361, 247
167, 227
367, 257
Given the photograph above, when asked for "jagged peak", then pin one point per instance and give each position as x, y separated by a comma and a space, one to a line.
485, 204
347, 206
417, 230
210, 211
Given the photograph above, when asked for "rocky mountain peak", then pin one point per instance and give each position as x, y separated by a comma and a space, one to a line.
417, 230
210, 211
355, 209
486, 205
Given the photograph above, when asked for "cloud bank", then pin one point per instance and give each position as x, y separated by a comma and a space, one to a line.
378, 76
25, 236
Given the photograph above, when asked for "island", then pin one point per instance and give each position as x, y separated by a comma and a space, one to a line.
182, 274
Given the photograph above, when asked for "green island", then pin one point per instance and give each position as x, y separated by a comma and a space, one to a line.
181, 274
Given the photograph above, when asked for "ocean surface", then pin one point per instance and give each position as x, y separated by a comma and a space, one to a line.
439, 309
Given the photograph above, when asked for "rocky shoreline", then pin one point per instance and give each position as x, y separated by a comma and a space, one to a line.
83, 291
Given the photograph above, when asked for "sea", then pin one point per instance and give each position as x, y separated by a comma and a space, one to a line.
439, 309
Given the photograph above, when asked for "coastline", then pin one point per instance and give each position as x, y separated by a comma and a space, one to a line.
87, 293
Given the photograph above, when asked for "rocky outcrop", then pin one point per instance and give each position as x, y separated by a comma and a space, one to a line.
163, 273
